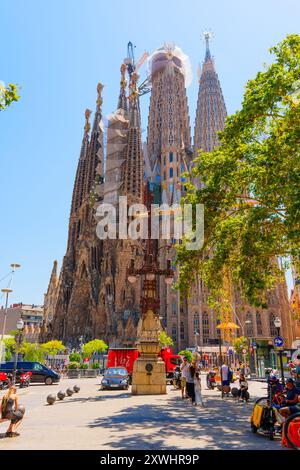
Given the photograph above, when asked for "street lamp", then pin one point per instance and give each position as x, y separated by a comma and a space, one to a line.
277, 323
8, 291
5, 291
18, 339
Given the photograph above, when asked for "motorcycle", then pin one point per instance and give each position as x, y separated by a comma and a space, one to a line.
5, 380
25, 379
211, 380
177, 378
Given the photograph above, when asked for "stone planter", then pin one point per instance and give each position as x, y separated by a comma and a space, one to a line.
73, 374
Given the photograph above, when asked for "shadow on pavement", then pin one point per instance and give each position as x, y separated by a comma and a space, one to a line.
220, 425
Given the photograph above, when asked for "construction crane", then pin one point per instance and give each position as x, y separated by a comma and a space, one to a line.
132, 67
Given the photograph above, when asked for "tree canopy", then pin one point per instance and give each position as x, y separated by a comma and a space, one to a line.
8, 95
165, 340
250, 186
94, 346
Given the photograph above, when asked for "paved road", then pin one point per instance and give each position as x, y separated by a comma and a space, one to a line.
95, 419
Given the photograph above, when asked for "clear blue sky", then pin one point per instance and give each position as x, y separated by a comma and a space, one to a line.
57, 51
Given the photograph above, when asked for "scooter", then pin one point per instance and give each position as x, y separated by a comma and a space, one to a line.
211, 380
5, 380
25, 379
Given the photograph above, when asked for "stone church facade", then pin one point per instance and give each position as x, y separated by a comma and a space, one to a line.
92, 296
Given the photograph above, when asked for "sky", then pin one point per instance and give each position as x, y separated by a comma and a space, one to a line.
57, 51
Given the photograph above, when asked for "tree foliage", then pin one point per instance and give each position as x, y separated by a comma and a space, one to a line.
251, 186
32, 352
53, 347
8, 95
165, 340
239, 344
186, 353
94, 346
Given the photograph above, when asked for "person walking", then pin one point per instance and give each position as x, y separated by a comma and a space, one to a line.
10, 410
297, 372
197, 388
190, 386
183, 369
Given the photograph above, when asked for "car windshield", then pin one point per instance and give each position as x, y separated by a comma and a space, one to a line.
116, 371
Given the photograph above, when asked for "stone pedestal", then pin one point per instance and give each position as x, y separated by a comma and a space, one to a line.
149, 370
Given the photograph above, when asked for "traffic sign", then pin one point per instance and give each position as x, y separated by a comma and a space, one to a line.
244, 351
254, 344
278, 341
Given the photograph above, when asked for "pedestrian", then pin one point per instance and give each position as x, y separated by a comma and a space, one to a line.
10, 410
243, 390
183, 369
297, 372
190, 386
197, 388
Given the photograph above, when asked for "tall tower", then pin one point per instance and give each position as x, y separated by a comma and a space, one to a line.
169, 141
78, 311
169, 155
211, 110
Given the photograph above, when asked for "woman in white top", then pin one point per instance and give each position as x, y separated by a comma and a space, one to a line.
197, 388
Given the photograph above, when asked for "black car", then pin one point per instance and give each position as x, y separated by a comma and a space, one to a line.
40, 373
115, 377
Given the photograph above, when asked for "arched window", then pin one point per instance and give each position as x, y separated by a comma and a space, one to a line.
174, 333
171, 157
196, 321
272, 327
249, 325
259, 324
181, 330
205, 327
171, 173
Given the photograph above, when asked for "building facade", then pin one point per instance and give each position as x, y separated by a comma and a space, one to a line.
92, 296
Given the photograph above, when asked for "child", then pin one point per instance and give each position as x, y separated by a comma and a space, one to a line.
197, 385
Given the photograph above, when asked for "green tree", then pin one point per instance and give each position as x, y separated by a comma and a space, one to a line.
8, 95
239, 344
251, 186
165, 340
53, 347
10, 347
94, 346
188, 354
32, 352
75, 357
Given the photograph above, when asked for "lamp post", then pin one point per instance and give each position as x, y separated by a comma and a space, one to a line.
18, 339
5, 291
8, 291
149, 371
277, 323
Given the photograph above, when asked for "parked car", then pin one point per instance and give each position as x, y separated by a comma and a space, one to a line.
115, 377
39, 372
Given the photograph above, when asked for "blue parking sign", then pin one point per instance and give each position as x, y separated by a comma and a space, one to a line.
278, 341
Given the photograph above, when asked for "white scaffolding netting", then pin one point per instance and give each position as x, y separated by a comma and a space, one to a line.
169, 53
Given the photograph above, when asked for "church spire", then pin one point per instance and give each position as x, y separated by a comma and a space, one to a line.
78, 192
95, 154
133, 177
122, 102
207, 37
211, 109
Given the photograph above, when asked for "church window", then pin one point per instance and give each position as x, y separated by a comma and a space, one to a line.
171, 157
181, 330
259, 324
171, 172
174, 332
273, 329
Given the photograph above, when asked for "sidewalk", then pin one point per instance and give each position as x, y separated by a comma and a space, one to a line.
107, 420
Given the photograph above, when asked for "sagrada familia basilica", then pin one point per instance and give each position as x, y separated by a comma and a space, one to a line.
92, 296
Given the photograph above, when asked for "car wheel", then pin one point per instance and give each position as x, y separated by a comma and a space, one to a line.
48, 381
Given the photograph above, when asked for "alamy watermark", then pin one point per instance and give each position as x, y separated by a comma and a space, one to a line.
123, 221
